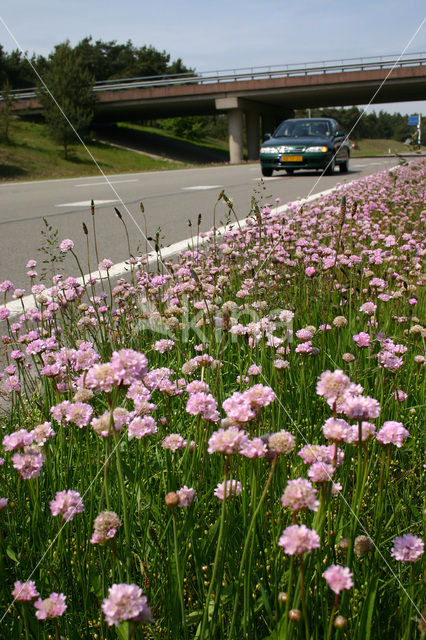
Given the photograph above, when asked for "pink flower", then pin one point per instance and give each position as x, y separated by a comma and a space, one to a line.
400, 395
42, 433
238, 408
174, 442
306, 348
321, 472
255, 448
125, 602
338, 578
67, 504
233, 488
254, 370
102, 377
52, 607
186, 496
28, 464
25, 591
337, 430
105, 264
163, 345
259, 396
298, 539
407, 548
203, 404
392, 433
300, 494
3, 503
6, 285
79, 413
18, 440
304, 335
129, 365
140, 427
196, 386
368, 307
362, 339
311, 453
59, 411
66, 245
105, 527
360, 407
227, 441
332, 385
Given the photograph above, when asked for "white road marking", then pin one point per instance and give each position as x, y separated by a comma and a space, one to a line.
85, 203
105, 183
203, 187
268, 179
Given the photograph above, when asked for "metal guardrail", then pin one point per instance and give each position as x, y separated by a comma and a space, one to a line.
251, 73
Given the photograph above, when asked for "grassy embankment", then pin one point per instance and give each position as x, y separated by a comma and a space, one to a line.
32, 155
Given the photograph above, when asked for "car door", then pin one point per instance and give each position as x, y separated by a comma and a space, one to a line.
338, 139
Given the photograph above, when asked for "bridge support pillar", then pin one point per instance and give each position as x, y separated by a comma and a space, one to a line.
235, 127
253, 133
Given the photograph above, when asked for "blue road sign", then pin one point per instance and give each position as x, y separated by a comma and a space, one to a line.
413, 120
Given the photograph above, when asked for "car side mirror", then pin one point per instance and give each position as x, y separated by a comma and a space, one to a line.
267, 136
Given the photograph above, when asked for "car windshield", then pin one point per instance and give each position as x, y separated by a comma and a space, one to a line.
303, 129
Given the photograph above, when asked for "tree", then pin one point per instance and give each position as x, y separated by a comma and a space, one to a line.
71, 84
108, 60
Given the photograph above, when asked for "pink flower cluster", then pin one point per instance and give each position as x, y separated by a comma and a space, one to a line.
204, 405
52, 607
298, 539
243, 407
67, 504
338, 578
126, 602
231, 489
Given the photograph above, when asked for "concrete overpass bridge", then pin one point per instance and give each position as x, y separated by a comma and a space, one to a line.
257, 97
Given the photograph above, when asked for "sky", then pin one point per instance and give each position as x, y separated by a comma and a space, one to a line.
227, 34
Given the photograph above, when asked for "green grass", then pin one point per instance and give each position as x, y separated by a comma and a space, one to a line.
211, 143
32, 155
381, 146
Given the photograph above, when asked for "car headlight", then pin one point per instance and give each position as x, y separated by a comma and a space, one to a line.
322, 149
268, 150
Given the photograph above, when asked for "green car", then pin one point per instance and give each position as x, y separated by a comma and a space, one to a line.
306, 143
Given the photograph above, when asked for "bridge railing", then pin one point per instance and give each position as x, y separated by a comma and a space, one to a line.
251, 73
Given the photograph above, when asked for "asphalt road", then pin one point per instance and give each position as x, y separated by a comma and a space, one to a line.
170, 198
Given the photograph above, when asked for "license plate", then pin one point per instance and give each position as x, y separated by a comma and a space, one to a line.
291, 158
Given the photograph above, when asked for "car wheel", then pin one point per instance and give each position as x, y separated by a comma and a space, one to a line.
330, 168
344, 166
266, 172
289, 172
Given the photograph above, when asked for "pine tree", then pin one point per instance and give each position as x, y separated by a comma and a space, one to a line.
70, 82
